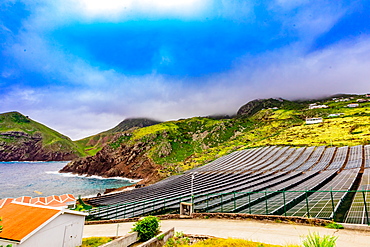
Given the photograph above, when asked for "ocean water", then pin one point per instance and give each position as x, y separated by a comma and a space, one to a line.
32, 178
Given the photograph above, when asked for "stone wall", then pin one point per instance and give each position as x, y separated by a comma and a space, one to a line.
159, 240
271, 218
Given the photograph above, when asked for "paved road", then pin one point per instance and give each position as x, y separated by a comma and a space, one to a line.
272, 233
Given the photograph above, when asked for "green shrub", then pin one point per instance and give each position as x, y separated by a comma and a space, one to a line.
82, 206
147, 227
178, 240
334, 225
315, 240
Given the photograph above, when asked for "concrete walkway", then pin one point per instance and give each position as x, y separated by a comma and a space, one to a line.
272, 233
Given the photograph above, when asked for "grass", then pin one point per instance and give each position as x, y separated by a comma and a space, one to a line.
315, 240
311, 240
95, 241
220, 242
334, 225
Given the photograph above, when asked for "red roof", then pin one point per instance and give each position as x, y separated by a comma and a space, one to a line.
21, 220
53, 201
5, 201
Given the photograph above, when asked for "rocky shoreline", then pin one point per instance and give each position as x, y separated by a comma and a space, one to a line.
124, 161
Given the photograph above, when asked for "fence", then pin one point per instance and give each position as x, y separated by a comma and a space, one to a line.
342, 206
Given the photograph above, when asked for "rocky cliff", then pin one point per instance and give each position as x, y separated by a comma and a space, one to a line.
93, 144
128, 161
25, 147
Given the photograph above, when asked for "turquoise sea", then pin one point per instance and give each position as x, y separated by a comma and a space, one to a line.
28, 178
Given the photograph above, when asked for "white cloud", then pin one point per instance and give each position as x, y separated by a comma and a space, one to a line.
50, 14
305, 19
119, 8
291, 74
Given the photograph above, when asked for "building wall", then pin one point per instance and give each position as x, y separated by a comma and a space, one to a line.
64, 231
5, 243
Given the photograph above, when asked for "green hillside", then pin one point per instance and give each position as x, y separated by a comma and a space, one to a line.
95, 143
180, 145
184, 144
19, 135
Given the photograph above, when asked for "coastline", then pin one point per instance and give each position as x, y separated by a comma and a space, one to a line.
70, 174
44, 177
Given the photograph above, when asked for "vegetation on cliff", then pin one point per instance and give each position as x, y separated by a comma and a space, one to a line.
24, 139
93, 144
21, 138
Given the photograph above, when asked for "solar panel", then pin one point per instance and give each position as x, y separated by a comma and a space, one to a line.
357, 213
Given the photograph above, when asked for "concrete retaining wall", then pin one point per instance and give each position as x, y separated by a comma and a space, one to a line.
159, 240
122, 241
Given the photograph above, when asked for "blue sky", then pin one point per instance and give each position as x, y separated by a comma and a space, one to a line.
82, 66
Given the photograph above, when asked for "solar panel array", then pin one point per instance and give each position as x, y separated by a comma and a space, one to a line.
306, 181
359, 212
367, 156
323, 204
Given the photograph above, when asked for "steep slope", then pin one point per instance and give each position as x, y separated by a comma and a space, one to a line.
130, 123
256, 105
24, 139
175, 146
170, 145
124, 161
95, 143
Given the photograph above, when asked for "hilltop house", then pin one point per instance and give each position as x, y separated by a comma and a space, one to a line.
342, 100
313, 120
361, 100
315, 106
335, 114
30, 225
353, 105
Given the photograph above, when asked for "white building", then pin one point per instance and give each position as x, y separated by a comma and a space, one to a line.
313, 120
28, 225
314, 106
361, 100
353, 105
335, 114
